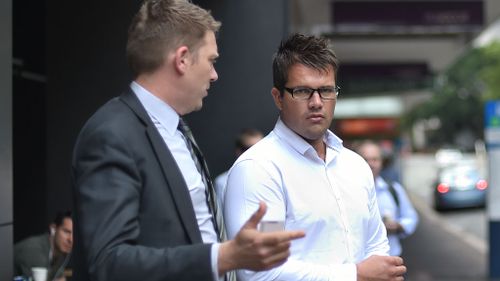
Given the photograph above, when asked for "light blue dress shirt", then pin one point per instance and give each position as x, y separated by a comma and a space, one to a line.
404, 215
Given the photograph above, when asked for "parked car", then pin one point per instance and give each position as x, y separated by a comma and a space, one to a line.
460, 186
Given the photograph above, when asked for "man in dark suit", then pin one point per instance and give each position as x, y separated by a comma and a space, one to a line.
143, 201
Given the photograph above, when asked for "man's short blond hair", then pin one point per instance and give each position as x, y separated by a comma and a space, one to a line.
163, 25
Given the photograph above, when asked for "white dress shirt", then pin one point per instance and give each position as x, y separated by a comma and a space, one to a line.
404, 215
166, 121
220, 187
333, 201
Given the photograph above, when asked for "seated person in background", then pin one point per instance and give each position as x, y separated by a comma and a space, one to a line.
49, 250
398, 214
244, 141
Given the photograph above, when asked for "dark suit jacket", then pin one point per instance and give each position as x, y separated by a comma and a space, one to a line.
134, 219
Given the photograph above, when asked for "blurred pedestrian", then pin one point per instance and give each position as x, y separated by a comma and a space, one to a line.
390, 168
309, 180
145, 208
398, 214
246, 138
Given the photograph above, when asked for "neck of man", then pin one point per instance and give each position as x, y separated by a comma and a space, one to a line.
320, 147
164, 88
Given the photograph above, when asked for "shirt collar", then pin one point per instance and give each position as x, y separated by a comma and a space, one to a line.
156, 107
380, 183
299, 144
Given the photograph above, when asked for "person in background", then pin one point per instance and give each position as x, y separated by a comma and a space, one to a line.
49, 250
145, 208
246, 138
390, 162
398, 214
309, 180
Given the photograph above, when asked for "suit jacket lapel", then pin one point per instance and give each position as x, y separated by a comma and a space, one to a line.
171, 172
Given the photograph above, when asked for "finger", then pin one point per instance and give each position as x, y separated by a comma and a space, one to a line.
397, 271
276, 259
397, 260
402, 269
256, 217
277, 247
281, 237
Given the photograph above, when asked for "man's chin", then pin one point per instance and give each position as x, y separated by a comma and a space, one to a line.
66, 250
188, 110
198, 107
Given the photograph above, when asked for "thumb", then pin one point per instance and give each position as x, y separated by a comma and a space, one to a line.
256, 217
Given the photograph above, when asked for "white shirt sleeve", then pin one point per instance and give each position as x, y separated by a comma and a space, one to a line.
214, 254
377, 243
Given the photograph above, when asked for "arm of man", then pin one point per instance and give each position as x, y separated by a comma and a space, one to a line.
30, 253
378, 265
408, 216
376, 241
108, 188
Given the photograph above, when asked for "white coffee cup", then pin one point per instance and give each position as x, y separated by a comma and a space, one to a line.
39, 273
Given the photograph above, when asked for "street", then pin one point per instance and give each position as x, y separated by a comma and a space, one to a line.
446, 246
434, 253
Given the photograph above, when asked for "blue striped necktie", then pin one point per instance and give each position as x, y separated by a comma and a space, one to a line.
202, 167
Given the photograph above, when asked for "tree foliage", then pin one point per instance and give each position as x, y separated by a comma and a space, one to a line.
459, 95
490, 73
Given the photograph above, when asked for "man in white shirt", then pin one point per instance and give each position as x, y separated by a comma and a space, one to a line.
309, 180
398, 214
144, 204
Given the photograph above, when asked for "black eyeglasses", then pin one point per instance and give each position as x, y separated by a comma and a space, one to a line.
305, 93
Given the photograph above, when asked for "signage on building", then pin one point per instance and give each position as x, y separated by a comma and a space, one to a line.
492, 139
420, 16
492, 124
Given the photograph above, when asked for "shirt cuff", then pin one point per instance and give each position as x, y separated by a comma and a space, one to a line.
214, 254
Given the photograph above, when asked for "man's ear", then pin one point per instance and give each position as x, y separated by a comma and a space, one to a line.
277, 98
182, 59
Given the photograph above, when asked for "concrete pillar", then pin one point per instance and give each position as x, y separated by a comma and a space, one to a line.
6, 228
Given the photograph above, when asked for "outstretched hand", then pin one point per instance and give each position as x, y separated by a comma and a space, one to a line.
255, 250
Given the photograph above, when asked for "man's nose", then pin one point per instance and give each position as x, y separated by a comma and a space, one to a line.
214, 76
315, 100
